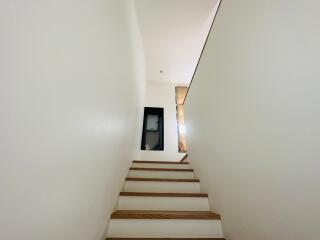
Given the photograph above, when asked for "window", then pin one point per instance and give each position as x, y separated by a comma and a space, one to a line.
152, 132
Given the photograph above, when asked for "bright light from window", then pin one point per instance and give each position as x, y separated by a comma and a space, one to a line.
182, 129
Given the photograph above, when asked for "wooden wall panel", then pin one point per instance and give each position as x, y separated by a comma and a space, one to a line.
180, 95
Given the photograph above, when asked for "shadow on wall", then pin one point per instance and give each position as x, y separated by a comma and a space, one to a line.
256, 145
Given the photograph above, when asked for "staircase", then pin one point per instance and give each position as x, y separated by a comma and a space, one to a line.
163, 200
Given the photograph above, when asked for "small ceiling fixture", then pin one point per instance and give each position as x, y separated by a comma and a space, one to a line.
161, 71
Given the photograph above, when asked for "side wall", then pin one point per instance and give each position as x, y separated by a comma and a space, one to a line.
163, 95
253, 116
72, 78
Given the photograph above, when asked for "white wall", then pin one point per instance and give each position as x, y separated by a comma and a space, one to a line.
173, 33
162, 95
253, 119
71, 76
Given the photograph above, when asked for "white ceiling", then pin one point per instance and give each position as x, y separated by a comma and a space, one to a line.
173, 33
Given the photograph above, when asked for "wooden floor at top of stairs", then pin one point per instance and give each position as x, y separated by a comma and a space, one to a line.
152, 214
162, 169
161, 162
153, 194
162, 179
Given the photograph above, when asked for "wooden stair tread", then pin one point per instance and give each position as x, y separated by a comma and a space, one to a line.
161, 169
161, 162
161, 179
152, 214
115, 238
153, 194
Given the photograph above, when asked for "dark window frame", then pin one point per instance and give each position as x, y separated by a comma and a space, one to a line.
160, 113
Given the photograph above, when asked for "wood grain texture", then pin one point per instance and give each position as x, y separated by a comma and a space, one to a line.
152, 214
182, 140
161, 162
161, 169
162, 179
150, 194
181, 92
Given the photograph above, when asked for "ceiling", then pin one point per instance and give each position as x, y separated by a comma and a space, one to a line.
173, 33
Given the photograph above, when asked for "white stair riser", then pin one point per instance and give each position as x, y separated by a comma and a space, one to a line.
170, 187
161, 165
160, 174
165, 228
163, 203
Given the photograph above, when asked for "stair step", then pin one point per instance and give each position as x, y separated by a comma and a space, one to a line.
160, 173
160, 165
161, 179
161, 162
161, 185
149, 214
163, 201
153, 194
161, 169
163, 228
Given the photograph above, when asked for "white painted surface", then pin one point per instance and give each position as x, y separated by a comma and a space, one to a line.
161, 174
164, 228
253, 119
71, 95
150, 186
173, 33
163, 203
163, 95
161, 165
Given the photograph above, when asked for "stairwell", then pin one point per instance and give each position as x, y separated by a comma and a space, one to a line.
163, 200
